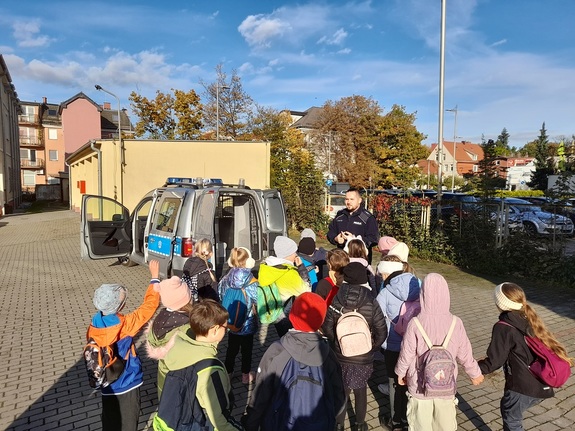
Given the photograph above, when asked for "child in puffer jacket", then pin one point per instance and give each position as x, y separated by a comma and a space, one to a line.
424, 412
199, 273
173, 318
400, 288
240, 277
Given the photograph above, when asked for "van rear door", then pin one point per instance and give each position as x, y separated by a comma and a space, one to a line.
105, 228
161, 237
275, 218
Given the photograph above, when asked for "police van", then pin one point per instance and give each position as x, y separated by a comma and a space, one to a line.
169, 220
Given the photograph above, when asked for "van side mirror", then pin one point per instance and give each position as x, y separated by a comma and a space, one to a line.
118, 217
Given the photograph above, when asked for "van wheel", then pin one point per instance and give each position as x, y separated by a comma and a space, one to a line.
125, 261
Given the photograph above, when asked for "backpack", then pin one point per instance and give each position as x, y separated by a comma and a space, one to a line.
179, 408
270, 305
192, 282
547, 367
103, 364
333, 291
353, 333
408, 310
436, 366
310, 267
237, 303
304, 403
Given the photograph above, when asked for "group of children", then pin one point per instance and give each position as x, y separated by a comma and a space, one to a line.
304, 380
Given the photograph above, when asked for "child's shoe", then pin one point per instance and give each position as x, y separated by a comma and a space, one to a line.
248, 378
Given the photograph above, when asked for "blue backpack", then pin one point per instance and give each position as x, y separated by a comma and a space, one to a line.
303, 403
236, 301
310, 266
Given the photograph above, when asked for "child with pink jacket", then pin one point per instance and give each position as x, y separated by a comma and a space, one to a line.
425, 413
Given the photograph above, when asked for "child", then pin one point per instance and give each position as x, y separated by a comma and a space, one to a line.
306, 251
318, 255
509, 349
399, 288
327, 287
270, 408
199, 274
355, 294
358, 252
240, 277
208, 322
290, 276
173, 318
121, 399
424, 412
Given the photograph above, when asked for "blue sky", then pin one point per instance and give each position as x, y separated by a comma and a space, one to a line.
507, 63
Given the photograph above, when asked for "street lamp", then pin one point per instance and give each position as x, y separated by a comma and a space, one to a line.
225, 87
100, 88
454, 110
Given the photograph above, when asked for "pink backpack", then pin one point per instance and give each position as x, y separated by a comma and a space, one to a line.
547, 366
408, 310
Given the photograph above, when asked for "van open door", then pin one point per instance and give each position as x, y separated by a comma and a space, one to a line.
275, 219
105, 228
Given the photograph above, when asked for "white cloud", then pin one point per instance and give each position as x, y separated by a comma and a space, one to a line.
259, 30
499, 42
335, 39
27, 34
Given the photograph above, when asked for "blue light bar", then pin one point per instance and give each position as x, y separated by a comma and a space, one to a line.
187, 180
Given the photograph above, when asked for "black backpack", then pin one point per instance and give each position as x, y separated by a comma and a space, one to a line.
103, 364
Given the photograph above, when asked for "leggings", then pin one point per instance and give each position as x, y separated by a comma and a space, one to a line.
235, 343
360, 396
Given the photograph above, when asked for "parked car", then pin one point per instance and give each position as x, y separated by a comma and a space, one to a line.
535, 220
169, 220
555, 206
335, 203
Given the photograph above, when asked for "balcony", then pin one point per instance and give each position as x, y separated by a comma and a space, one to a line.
32, 164
28, 119
29, 141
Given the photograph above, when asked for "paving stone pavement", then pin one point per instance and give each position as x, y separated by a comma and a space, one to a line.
46, 305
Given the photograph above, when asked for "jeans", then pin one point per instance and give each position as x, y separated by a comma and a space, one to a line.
513, 404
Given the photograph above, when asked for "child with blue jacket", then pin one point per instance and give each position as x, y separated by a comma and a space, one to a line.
121, 399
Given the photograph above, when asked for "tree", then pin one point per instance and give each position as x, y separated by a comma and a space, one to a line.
235, 106
487, 179
168, 117
502, 144
543, 161
293, 169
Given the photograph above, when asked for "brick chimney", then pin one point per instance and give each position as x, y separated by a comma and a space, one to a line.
45, 100
107, 106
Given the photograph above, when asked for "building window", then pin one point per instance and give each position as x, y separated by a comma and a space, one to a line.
474, 156
475, 168
53, 154
52, 134
29, 178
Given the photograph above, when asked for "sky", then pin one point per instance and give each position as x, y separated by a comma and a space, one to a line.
508, 64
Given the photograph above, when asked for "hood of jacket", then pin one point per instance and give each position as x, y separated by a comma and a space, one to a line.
309, 348
195, 265
518, 320
105, 330
237, 278
187, 351
274, 270
435, 298
404, 287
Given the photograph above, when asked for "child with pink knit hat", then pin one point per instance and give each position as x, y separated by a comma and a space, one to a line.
174, 317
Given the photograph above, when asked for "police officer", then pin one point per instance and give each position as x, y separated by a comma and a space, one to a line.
352, 221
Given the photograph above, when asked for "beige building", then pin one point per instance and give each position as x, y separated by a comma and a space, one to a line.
126, 173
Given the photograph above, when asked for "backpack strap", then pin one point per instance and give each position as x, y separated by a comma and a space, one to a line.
426, 338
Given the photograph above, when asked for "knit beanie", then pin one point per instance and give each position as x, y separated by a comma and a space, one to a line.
385, 243
503, 302
307, 233
355, 273
389, 267
174, 294
308, 312
284, 247
306, 246
109, 298
400, 250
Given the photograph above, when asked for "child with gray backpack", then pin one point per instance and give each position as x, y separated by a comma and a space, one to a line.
432, 344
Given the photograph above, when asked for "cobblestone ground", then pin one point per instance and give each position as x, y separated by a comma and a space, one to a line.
46, 304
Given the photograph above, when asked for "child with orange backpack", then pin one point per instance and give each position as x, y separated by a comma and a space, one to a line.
238, 291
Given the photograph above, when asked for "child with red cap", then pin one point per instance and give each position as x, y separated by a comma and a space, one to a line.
300, 362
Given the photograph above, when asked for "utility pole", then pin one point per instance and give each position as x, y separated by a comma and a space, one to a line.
454, 110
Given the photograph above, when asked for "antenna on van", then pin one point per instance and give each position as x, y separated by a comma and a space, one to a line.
242, 182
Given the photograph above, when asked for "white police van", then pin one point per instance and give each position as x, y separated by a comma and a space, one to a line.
169, 220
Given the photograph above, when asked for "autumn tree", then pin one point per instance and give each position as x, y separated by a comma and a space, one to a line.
488, 179
502, 143
293, 169
543, 161
177, 116
226, 101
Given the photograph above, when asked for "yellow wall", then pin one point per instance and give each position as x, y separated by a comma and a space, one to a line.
149, 163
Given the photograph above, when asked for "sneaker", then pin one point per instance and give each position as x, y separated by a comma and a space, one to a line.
383, 388
248, 378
